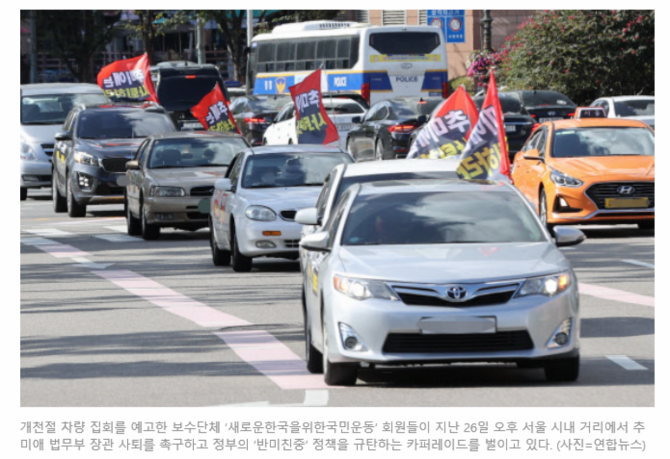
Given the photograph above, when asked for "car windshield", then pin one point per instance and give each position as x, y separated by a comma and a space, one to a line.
122, 124
348, 181
168, 153
290, 169
404, 109
545, 98
449, 217
634, 107
268, 103
603, 141
54, 108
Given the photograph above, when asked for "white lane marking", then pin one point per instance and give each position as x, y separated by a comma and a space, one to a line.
312, 398
613, 294
48, 232
567, 248
117, 238
91, 265
91, 221
639, 263
119, 228
626, 362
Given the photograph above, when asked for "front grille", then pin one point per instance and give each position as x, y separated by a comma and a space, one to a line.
115, 164
601, 191
292, 243
48, 149
288, 215
407, 343
197, 216
482, 300
202, 191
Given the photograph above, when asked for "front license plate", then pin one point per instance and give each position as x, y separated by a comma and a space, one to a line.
542, 120
509, 128
457, 325
344, 127
192, 125
626, 203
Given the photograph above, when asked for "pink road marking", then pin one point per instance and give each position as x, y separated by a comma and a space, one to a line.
54, 248
615, 295
258, 348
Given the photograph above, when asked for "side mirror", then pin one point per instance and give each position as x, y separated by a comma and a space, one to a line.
317, 242
533, 155
307, 216
223, 184
356, 120
132, 166
422, 119
566, 236
62, 136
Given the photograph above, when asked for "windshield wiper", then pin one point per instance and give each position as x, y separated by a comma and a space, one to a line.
212, 165
42, 123
263, 186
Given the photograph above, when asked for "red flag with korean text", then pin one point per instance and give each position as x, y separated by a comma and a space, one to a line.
128, 79
485, 155
312, 122
212, 111
447, 131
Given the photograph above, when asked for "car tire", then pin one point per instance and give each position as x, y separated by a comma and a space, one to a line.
379, 151
74, 209
562, 370
337, 374
544, 211
241, 263
149, 231
646, 225
219, 257
59, 203
313, 357
133, 224
265, 141
24, 193
290, 141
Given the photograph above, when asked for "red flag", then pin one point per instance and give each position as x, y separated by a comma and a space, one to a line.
312, 122
212, 111
448, 129
485, 155
128, 79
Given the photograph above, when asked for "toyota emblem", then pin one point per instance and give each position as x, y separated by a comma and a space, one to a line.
457, 292
625, 190
406, 65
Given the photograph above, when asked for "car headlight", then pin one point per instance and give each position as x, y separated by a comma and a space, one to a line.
561, 179
27, 152
261, 213
167, 191
545, 285
86, 159
362, 289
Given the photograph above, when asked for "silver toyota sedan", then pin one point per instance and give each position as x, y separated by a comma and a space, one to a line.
428, 271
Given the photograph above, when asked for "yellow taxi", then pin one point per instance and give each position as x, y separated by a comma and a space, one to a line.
589, 170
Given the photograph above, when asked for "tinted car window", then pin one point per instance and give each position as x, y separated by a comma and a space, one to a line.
194, 152
342, 106
53, 109
440, 218
268, 103
507, 104
540, 98
635, 107
572, 143
122, 124
412, 43
289, 169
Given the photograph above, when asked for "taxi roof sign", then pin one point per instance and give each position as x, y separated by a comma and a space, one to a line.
590, 112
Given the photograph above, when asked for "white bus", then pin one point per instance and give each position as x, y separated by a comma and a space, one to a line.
379, 62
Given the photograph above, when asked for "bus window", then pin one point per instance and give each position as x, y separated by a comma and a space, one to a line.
326, 49
412, 43
266, 52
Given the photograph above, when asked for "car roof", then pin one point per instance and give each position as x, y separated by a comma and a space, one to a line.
195, 135
386, 167
295, 149
60, 88
622, 98
434, 185
596, 122
125, 106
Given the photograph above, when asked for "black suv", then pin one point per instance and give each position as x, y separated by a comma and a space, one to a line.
92, 150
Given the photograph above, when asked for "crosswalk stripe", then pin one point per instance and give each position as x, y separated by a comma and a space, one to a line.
626, 362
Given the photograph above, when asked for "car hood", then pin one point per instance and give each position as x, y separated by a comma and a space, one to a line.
449, 263
40, 133
636, 167
111, 147
297, 197
188, 177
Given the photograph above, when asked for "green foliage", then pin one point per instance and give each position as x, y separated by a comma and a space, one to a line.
583, 54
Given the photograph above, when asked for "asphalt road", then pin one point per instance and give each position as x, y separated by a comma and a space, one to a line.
112, 320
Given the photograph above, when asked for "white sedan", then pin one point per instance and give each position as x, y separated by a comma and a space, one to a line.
252, 210
341, 111
631, 107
